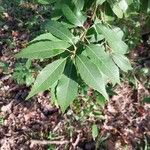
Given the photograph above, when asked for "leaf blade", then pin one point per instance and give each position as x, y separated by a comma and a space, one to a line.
122, 62
67, 87
72, 17
60, 31
117, 45
94, 131
91, 74
45, 36
48, 76
43, 49
100, 2
103, 62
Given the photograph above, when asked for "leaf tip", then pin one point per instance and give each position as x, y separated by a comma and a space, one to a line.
28, 97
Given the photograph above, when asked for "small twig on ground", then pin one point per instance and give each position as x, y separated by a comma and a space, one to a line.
77, 141
57, 127
45, 142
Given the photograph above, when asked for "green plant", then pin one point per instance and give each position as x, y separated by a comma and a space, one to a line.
23, 74
82, 45
1, 120
3, 67
94, 131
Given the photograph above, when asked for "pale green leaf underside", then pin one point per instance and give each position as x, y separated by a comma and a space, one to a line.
67, 88
43, 49
103, 62
94, 131
117, 10
60, 31
122, 62
79, 4
100, 2
115, 43
90, 74
123, 5
48, 76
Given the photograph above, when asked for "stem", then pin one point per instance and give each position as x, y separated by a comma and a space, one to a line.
87, 40
94, 13
83, 35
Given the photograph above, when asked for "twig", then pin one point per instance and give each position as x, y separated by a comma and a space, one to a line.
57, 127
45, 142
77, 141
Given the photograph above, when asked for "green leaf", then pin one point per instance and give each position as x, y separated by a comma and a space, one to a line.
116, 44
101, 100
94, 131
29, 79
79, 4
43, 49
67, 87
68, 24
100, 2
129, 2
45, 36
117, 10
45, 2
60, 31
119, 32
146, 100
103, 62
93, 36
122, 62
91, 74
123, 5
148, 7
3, 66
53, 94
1, 10
73, 18
28, 64
47, 77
